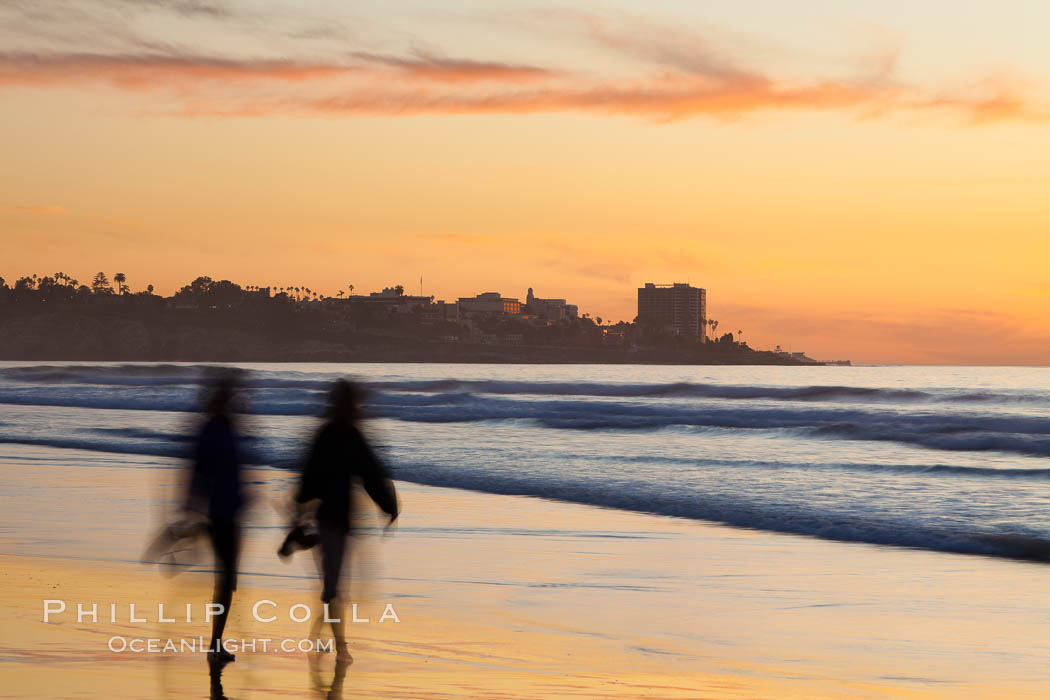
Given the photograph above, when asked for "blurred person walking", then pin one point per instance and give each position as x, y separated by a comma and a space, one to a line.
338, 455
216, 492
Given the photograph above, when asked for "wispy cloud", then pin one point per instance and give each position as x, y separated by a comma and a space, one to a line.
674, 73
154, 71
423, 65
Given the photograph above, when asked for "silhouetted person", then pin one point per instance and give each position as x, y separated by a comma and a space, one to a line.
215, 491
338, 455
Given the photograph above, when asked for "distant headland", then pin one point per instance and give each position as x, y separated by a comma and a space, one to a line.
55, 317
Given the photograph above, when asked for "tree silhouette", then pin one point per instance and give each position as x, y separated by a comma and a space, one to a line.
100, 285
399, 290
120, 278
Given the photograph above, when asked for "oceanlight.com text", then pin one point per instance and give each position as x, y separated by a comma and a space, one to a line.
197, 645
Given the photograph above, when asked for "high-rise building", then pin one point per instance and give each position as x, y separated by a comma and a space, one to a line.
678, 309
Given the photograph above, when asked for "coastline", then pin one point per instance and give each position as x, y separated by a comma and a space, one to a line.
148, 335
437, 353
580, 602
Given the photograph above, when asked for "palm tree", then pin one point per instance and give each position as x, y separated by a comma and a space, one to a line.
340, 294
399, 290
149, 289
351, 290
120, 278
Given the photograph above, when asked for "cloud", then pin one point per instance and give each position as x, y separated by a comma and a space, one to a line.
157, 71
425, 66
184, 8
687, 51
152, 70
668, 96
672, 73
390, 85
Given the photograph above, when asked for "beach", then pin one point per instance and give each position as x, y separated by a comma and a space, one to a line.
559, 350
504, 596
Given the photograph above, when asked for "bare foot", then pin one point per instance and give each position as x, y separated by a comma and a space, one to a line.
221, 657
342, 654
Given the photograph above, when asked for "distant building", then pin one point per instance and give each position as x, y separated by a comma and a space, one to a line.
437, 312
549, 309
391, 300
488, 304
678, 309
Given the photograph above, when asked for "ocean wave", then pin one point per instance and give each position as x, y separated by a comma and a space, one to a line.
132, 375
667, 390
170, 398
813, 393
650, 491
948, 470
153, 448
193, 375
951, 431
742, 511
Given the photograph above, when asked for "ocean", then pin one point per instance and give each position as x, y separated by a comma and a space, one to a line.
951, 459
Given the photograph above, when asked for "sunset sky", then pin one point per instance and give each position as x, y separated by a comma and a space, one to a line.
862, 180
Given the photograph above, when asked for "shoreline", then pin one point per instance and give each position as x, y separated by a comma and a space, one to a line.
576, 595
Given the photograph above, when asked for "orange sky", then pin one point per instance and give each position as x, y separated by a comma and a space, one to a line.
886, 203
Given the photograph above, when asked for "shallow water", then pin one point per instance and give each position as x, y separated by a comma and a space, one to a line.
547, 592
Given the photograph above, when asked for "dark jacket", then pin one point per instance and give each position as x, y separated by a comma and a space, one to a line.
338, 454
215, 487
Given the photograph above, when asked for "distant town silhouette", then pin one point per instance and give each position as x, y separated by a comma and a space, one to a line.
56, 317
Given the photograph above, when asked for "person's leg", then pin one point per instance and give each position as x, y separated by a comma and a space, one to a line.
225, 539
333, 550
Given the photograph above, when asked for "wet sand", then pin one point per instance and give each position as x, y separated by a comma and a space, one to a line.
502, 596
